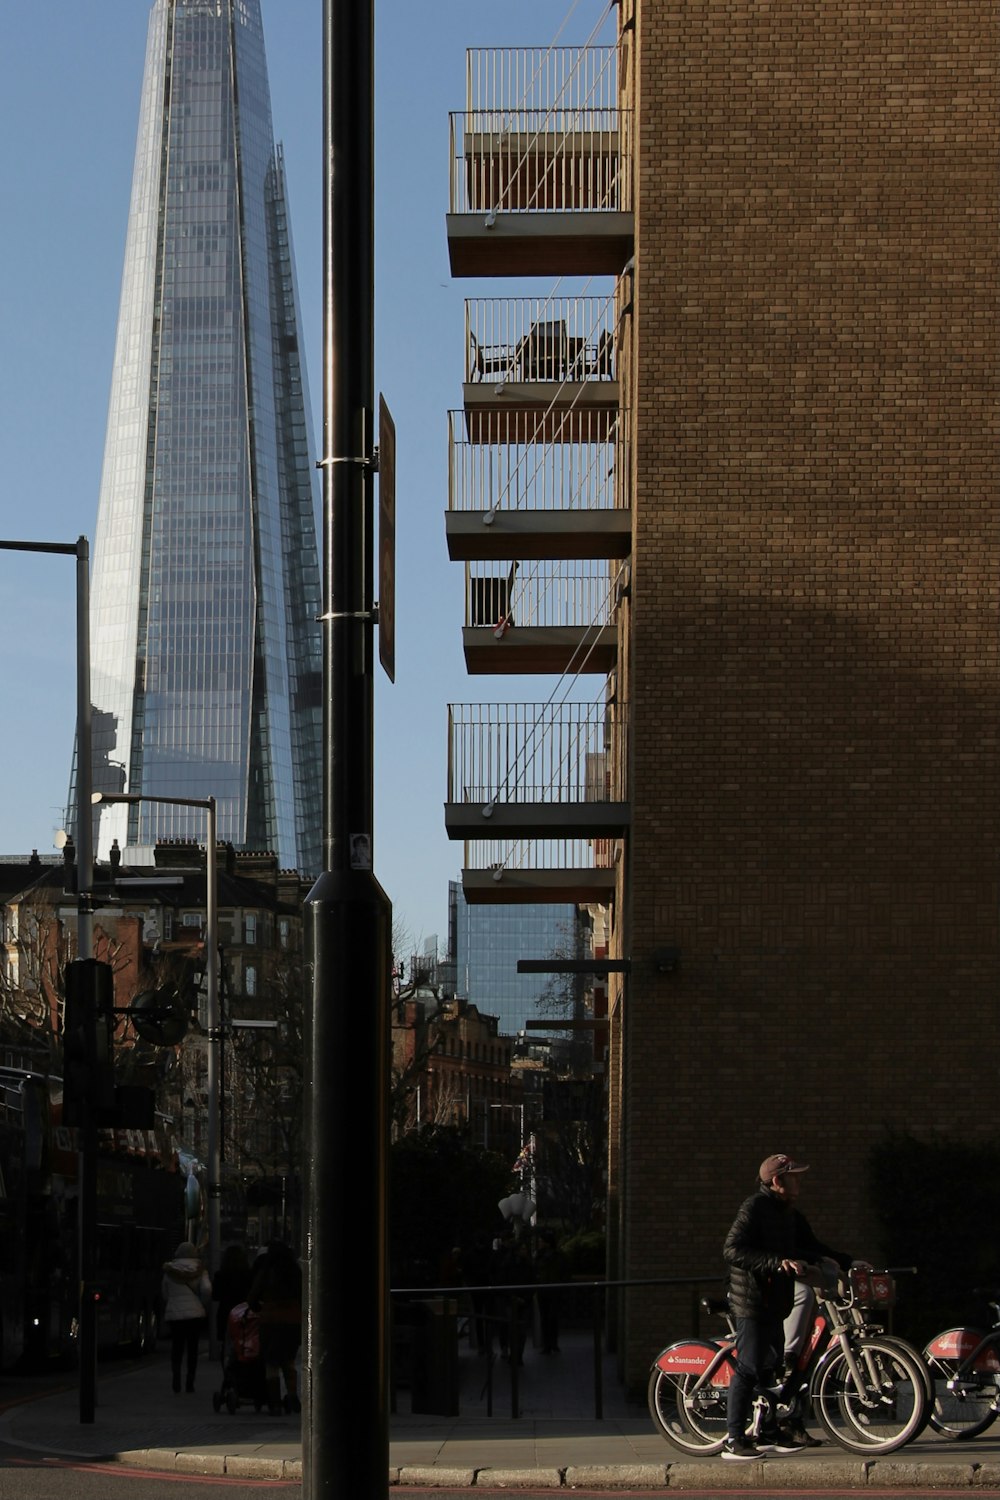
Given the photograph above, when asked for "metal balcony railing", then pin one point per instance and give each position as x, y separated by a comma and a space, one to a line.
537, 752
511, 463
500, 855
539, 594
541, 161
539, 339
541, 78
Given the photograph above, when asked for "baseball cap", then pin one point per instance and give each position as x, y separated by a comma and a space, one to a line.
778, 1166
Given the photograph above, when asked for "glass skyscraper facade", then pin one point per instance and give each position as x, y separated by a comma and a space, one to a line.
206, 652
487, 942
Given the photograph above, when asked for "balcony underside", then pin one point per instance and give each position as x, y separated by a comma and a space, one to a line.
519, 887
537, 820
551, 649
532, 535
553, 243
540, 395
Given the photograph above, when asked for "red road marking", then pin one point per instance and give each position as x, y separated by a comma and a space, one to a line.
129, 1471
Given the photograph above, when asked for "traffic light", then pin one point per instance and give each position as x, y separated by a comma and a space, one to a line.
88, 1029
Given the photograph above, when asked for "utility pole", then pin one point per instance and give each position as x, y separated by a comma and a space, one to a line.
348, 916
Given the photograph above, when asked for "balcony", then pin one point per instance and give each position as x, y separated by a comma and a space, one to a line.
540, 617
541, 165
553, 871
552, 357
513, 494
537, 771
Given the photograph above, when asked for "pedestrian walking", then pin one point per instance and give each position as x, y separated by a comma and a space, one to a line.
187, 1293
276, 1295
230, 1286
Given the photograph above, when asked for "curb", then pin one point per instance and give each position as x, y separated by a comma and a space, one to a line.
234, 1465
781, 1474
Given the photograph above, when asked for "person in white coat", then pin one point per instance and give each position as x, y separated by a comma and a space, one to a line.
187, 1293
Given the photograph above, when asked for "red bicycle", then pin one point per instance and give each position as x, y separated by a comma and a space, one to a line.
869, 1390
965, 1366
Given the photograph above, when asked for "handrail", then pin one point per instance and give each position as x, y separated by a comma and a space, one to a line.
518, 1290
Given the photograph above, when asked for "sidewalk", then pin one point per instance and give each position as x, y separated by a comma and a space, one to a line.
556, 1443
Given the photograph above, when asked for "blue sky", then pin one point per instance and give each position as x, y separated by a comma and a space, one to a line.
70, 77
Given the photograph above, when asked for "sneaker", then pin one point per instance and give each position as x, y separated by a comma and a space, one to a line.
740, 1450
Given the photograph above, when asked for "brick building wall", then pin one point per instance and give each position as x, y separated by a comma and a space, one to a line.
814, 690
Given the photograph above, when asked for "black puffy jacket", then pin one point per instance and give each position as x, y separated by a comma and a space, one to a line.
766, 1231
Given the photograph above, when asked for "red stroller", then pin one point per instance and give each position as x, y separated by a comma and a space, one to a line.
243, 1373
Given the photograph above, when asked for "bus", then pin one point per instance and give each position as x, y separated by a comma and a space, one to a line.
140, 1219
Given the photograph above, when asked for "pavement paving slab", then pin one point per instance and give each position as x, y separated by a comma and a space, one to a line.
556, 1444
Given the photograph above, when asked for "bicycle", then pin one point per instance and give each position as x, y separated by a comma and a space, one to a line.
965, 1368
869, 1390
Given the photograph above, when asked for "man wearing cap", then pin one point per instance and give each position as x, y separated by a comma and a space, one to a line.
769, 1244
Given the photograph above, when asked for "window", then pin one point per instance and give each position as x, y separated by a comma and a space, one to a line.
283, 931
250, 979
250, 927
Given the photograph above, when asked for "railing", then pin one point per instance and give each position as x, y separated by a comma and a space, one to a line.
541, 161
539, 594
537, 752
506, 1306
514, 465
547, 339
539, 78
499, 855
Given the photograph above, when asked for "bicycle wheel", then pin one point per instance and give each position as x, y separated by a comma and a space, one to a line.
964, 1400
694, 1421
881, 1413
921, 1364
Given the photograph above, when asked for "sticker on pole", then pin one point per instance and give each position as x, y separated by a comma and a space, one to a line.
361, 851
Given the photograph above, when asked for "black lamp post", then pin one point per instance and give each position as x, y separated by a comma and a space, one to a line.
348, 916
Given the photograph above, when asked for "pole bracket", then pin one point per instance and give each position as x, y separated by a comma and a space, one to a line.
351, 614
362, 463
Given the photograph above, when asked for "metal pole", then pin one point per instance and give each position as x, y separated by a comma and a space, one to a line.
348, 917
214, 1037
87, 1181
84, 759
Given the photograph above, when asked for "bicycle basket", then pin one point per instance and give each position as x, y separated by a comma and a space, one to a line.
871, 1288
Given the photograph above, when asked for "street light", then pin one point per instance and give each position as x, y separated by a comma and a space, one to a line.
212, 1004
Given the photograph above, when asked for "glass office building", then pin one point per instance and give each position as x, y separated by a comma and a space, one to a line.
206, 654
487, 942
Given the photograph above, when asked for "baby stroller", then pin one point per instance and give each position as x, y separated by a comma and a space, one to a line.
243, 1374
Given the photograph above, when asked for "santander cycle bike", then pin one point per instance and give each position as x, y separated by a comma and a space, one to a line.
869, 1390
965, 1368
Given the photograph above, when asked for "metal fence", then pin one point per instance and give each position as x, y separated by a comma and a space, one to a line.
537, 752
540, 161
540, 594
511, 462
506, 1310
546, 339
499, 855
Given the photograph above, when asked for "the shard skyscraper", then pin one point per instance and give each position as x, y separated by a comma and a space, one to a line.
206, 655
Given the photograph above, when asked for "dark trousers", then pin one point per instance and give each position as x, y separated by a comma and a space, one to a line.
184, 1336
759, 1347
